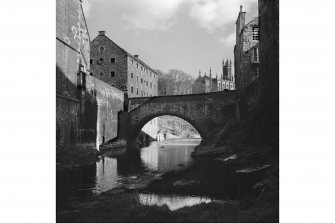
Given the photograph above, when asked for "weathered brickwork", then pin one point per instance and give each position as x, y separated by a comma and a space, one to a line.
86, 108
246, 52
115, 66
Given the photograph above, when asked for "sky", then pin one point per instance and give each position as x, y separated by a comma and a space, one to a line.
188, 35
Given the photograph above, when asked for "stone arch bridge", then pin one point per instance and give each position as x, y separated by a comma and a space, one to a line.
204, 111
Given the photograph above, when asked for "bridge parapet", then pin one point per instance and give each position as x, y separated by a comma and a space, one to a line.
135, 102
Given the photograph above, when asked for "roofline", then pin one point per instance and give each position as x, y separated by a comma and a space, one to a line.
250, 22
142, 62
128, 54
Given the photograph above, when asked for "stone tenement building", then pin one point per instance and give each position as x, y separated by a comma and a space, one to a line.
246, 51
115, 66
208, 84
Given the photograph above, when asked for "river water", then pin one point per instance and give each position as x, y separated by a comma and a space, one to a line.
109, 172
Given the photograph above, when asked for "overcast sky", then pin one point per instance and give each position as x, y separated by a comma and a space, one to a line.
171, 34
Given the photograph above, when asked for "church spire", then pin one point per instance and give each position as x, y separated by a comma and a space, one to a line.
210, 72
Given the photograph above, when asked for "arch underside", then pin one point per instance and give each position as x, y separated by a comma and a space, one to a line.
137, 128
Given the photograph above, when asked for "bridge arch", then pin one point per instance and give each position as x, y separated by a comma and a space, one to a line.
138, 127
204, 112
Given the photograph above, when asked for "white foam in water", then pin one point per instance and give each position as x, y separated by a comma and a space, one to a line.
173, 202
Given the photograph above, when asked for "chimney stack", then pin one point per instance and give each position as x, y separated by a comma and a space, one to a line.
136, 56
240, 8
102, 33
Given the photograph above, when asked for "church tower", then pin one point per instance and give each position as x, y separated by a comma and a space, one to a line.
226, 70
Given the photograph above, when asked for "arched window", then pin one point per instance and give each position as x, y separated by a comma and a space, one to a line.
100, 61
102, 49
101, 74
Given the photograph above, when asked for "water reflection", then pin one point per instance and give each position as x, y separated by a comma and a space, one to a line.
110, 172
174, 202
106, 177
166, 157
154, 158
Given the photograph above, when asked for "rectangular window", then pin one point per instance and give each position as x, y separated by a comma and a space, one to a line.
150, 85
137, 78
112, 60
132, 89
255, 35
256, 58
141, 93
141, 80
132, 75
150, 74
137, 65
113, 74
91, 73
91, 61
136, 91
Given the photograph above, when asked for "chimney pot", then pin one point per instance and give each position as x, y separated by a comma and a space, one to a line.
102, 33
